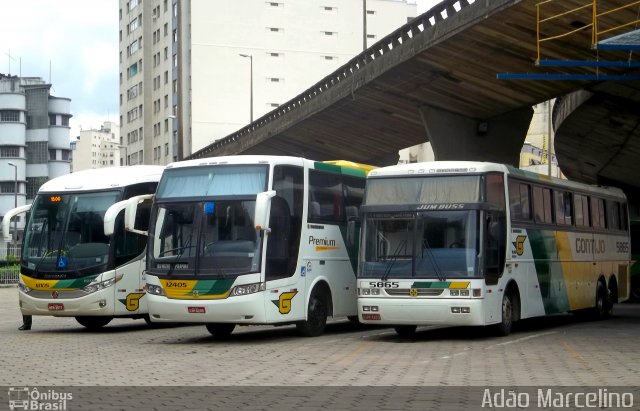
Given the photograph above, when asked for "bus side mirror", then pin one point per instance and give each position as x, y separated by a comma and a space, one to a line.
110, 216
6, 220
131, 208
263, 208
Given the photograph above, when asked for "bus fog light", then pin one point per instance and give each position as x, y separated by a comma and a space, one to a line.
465, 310
366, 291
247, 289
102, 303
374, 308
155, 289
455, 310
464, 293
366, 308
375, 291
454, 293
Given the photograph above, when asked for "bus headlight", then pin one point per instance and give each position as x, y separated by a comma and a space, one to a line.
97, 286
24, 288
247, 289
155, 289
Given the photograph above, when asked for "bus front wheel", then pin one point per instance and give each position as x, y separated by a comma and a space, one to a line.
504, 327
93, 323
220, 330
316, 316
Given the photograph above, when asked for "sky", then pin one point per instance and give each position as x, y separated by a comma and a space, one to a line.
73, 44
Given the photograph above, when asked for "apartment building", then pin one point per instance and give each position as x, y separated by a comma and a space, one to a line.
98, 148
194, 71
34, 140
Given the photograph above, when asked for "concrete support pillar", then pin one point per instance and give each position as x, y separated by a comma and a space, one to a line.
498, 139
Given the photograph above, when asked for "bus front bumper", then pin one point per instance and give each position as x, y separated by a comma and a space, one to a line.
421, 311
246, 309
99, 303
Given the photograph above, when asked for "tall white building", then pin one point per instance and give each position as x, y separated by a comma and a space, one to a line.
194, 71
98, 148
34, 140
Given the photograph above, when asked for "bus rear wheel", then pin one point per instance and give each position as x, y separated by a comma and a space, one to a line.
604, 306
220, 330
316, 316
93, 323
405, 331
504, 327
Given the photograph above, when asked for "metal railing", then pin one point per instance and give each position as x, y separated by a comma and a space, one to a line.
9, 265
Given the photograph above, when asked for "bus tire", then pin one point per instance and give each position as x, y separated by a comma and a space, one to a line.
405, 331
353, 319
220, 331
504, 327
316, 316
93, 323
603, 306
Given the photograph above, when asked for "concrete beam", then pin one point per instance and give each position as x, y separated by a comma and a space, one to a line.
498, 139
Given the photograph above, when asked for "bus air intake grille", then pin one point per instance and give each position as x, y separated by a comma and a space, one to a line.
422, 292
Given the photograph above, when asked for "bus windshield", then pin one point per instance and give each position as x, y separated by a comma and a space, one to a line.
203, 221
65, 234
434, 244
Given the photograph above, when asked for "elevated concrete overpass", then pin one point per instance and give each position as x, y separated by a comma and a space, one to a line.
434, 79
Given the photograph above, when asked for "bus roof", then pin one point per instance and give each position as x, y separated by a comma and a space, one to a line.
103, 178
343, 166
431, 168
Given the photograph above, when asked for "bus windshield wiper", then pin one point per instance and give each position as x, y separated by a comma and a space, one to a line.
434, 262
393, 260
186, 246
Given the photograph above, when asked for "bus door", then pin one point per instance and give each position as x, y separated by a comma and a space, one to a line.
285, 287
130, 264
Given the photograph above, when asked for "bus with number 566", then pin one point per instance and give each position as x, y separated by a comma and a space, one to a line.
474, 244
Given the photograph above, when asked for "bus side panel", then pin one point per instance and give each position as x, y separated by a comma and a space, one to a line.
285, 299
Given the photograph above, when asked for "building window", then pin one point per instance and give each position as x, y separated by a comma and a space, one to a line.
64, 120
7, 187
37, 152
33, 185
371, 12
330, 33
9, 115
52, 154
371, 36
9, 151
52, 119
275, 29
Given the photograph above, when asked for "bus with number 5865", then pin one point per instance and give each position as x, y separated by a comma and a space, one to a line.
474, 244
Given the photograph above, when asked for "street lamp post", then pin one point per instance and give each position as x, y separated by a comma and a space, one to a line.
250, 57
15, 205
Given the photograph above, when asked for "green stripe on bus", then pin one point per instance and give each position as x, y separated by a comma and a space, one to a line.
74, 283
553, 288
327, 167
215, 287
430, 284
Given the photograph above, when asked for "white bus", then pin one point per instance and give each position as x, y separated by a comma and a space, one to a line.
254, 240
473, 243
69, 267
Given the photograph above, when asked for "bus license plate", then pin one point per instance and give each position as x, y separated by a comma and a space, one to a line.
196, 310
56, 306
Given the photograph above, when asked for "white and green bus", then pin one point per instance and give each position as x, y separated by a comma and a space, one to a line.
69, 266
243, 240
474, 243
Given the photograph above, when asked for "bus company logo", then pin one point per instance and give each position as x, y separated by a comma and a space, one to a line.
284, 302
132, 302
25, 398
54, 294
413, 292
519, 244
446, 206
323, 244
